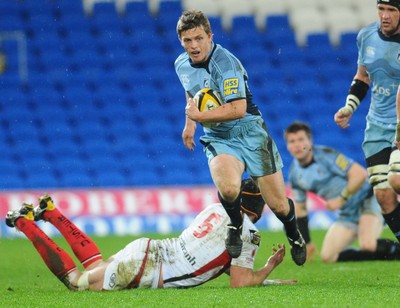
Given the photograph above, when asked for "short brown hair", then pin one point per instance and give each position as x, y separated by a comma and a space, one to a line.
191, 19
296, 127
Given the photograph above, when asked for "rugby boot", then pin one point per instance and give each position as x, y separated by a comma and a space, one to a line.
233, 242
26, 211
298, 250
45, 204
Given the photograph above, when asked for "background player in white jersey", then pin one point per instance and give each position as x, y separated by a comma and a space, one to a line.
195, 257
343, 183
241, 141
379, 66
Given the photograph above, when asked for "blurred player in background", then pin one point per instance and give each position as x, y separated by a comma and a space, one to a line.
198, 255
241, 142
343, 183
379, 66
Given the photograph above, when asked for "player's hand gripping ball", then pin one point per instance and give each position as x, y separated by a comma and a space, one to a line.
208, 99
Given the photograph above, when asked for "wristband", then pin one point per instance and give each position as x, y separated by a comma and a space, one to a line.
358, 90
345, 194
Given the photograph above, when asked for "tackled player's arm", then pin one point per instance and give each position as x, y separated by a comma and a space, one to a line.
246, 277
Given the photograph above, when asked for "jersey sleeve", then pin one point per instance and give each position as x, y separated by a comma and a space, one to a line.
360, 60
337, 162
230, 75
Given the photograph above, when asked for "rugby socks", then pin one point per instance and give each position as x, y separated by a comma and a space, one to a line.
386, 250
56, 259
356, 255
393, 221
233, 210
302, 223
290, 223
83, 247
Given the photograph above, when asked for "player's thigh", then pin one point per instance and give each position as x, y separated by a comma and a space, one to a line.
339, 236
369, 230
226, 170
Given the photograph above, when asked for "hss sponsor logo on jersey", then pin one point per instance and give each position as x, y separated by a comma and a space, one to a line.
231, 86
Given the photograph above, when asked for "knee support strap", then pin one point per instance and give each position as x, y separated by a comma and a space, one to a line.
394, 163
83, 282
378, 176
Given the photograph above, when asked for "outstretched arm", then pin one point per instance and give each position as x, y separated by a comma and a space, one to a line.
356, 177
245, 277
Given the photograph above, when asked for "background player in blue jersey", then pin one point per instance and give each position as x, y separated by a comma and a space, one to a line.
379, 67
241, 141
343, 183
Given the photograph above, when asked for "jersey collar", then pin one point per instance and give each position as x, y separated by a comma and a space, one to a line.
393, 38
205, 63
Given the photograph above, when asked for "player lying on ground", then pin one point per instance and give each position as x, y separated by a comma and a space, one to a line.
198, 255
343, 183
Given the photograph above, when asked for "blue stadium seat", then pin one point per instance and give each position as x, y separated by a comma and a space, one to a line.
70, 7
277, 23
318, 41
40, 178
110, 178
11, 181
10, 22
75, 179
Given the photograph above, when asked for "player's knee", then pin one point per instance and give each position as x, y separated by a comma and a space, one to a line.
394, 181
328, 257
386, 198
229, 193
368, 245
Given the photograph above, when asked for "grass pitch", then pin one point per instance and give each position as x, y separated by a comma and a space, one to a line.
25, 281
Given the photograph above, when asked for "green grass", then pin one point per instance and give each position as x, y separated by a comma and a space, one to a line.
26, 282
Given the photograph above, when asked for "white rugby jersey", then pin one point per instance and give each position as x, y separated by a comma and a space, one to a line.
199, 254
195, 257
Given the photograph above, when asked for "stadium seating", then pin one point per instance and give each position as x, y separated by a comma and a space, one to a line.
102, 105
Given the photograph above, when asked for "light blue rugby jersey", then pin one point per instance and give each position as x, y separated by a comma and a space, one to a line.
326, 176
381, 57
222, 72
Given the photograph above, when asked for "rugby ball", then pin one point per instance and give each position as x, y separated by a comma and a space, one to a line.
208, 99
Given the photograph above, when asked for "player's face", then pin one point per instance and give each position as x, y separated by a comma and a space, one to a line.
299, 146
197, 44
389, 19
